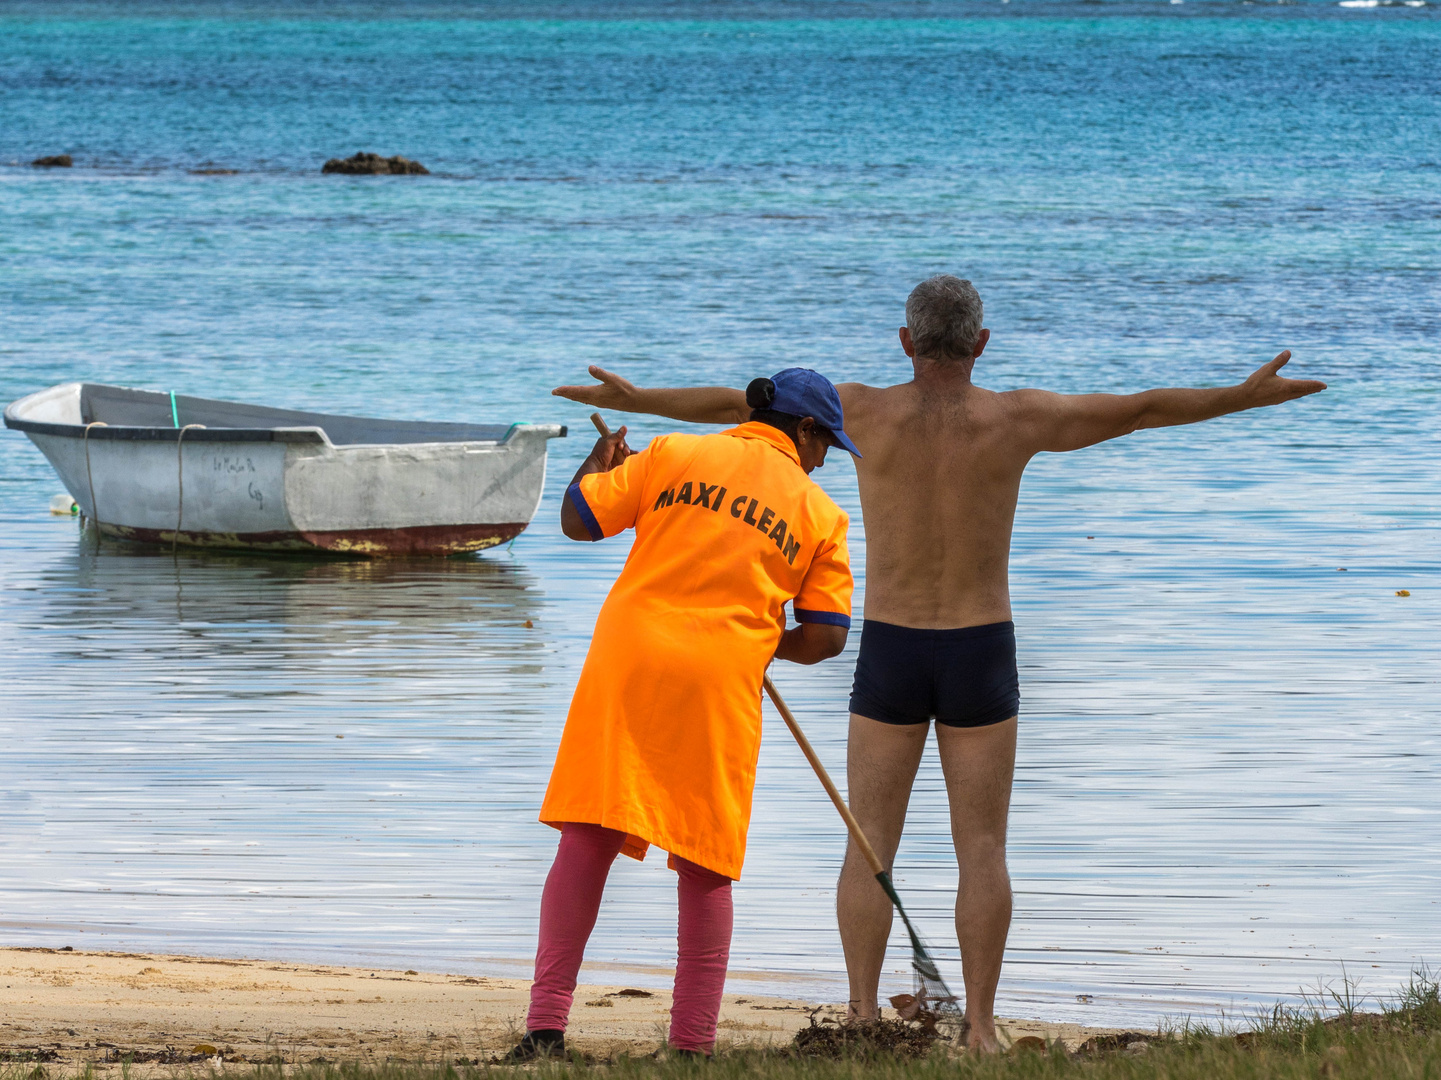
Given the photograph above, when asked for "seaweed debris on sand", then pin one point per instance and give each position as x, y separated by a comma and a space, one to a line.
29, 1054
366, 164
1122, 1042
837, 1039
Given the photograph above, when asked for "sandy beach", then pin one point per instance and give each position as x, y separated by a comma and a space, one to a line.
73, 1008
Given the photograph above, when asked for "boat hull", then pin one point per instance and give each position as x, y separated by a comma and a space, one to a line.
413, 540
291, 488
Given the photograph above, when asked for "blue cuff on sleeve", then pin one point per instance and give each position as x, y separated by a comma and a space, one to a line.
830, 618
587, 518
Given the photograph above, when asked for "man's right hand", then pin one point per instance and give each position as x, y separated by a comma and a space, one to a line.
1266, 387
613, 393
1062, 422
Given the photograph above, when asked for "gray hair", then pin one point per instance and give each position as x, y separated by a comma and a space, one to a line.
944, 317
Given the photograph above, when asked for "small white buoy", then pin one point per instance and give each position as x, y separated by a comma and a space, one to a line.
63, 504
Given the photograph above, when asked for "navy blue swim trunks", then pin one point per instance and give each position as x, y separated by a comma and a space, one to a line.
964, 678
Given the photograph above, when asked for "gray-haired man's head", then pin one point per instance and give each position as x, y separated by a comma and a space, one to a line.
943, 314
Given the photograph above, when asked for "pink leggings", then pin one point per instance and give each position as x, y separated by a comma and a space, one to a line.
568, 909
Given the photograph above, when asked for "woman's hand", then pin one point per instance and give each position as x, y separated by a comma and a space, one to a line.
608, 452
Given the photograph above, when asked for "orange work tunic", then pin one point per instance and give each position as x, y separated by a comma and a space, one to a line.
664, 728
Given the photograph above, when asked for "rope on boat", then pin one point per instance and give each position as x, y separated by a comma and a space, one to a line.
179, 479
89, 479
174, 412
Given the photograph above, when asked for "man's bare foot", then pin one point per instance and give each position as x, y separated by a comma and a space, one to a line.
980, 1037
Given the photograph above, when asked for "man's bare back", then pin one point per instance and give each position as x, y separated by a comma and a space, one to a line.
939, 480
938, 485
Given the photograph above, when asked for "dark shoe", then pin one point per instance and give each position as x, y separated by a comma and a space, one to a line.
696, 1055
545, 1043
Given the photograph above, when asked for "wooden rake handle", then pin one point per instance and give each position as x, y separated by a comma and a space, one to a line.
852, 824
877, 867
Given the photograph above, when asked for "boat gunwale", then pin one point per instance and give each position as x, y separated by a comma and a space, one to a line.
196, 433
193, 433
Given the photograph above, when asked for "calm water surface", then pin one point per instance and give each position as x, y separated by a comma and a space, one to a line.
1229, 749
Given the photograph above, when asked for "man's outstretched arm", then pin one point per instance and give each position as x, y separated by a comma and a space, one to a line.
1061, 422
698, 404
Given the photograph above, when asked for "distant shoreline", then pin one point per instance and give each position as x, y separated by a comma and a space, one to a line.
100, 1007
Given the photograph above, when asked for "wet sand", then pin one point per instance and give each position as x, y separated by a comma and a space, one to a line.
74, 1007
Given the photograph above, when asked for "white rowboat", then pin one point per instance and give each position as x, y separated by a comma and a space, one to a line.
168, 468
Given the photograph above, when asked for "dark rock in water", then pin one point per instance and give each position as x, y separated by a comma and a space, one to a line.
375, 165
56, 161
214, 172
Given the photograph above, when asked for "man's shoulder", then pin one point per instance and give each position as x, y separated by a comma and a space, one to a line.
866, 390
910, 391
864, 402
1027, 400
903, 402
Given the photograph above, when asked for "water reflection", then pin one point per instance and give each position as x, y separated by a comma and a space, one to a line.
261, 626
229, 748
118, 580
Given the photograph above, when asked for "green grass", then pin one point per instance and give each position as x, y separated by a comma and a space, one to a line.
1331, 1036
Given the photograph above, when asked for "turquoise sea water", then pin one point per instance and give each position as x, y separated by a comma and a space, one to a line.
1229, 754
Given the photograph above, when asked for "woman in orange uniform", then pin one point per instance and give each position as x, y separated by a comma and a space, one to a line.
664, 730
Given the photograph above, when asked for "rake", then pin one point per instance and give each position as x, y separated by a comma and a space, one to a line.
933, 1004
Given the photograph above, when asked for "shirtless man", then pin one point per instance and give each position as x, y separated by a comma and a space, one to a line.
939, 479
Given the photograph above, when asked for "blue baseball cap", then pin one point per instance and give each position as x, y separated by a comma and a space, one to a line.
803, 392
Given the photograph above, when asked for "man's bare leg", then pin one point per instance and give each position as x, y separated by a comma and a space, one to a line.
979, 764
881, 763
